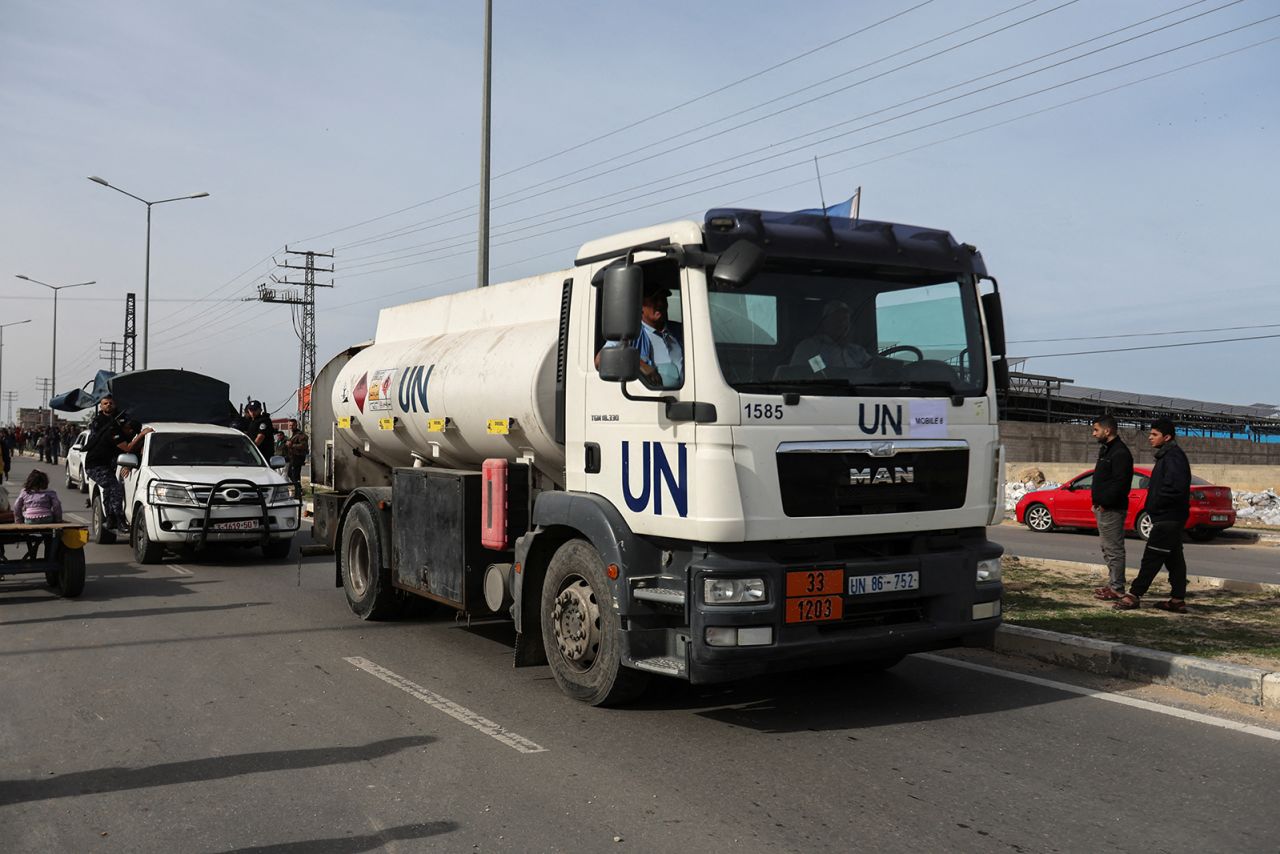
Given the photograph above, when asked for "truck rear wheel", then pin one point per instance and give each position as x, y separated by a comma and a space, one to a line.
366, 581
581, 632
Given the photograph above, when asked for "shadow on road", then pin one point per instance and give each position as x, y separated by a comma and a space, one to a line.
835, 698
355, 844
135, 612
103, 780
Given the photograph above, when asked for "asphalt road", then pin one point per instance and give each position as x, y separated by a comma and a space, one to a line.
1232, 555
227, 704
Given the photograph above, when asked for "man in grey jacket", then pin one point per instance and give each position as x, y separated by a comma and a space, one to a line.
1112, 480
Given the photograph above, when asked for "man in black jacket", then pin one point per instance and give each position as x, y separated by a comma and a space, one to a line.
105, 443
1168, 505
1112, 479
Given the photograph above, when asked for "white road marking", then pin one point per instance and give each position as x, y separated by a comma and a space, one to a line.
450, 708
181, 570
1147, 705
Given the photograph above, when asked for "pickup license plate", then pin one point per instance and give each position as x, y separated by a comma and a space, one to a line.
813, 609
1218, 518
888, 582
237, 525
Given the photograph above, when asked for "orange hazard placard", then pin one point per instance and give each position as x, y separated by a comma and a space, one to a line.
815, 582
813, 609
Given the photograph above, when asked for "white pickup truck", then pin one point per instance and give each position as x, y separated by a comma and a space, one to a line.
194, 484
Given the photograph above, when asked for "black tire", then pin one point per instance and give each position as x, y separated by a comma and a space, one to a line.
277, 549
1039, 518
1203, 535
581, 632
70, 483
84, 481
1142, 525
98, 530
69, 579
366, 581
144, 550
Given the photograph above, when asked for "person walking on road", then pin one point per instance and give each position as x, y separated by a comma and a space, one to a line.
296, 450
1112, 479
1168, 505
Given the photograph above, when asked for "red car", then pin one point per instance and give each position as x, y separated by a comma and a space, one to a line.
1071, 506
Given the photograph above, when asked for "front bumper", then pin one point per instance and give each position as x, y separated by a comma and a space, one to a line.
170, 523
948, 609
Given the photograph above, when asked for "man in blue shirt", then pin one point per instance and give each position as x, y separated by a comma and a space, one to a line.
661, 342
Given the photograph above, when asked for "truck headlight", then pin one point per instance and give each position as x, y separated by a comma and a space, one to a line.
288, 492
172, 493
989, 570
733, 591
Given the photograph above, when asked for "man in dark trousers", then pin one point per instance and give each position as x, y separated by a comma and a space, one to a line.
106, 441
1168, 505
1112, 479
296, 450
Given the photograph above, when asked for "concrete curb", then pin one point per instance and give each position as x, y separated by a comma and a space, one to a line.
1210, 581
1251, 685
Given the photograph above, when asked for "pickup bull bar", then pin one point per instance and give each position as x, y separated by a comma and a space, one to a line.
208, 508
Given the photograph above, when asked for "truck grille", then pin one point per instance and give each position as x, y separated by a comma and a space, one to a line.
855, 483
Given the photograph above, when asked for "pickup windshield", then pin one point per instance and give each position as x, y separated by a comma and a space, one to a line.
201, 450
832, 332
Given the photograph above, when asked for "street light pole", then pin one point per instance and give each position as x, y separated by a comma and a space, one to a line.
146, 284
2, 326
53, 367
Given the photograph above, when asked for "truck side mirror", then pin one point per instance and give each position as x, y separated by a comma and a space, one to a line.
620, 299
619, 364
738, 264
1001, 368
995, 323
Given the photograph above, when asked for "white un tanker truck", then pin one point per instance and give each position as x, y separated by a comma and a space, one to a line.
791, 463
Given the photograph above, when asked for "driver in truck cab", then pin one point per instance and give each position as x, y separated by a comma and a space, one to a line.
661, 342
831, 346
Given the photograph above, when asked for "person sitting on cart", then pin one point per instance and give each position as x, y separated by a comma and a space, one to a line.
37, 504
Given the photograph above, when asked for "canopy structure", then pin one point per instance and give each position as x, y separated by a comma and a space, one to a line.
161, 394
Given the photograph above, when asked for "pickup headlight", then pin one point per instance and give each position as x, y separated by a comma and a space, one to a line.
989, 571
288, 492
171, 493
733, 591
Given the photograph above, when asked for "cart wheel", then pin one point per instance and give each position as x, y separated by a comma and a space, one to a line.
68, 580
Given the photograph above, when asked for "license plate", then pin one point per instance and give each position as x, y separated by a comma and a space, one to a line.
888, 582
1218, 518
815, 582
814, 609
238, 525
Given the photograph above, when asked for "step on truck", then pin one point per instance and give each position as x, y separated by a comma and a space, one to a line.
761, 442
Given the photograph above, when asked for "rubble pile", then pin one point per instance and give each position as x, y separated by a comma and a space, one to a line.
1260, 507
1014, 490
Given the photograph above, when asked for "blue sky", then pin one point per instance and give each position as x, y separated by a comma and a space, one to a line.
1147, 209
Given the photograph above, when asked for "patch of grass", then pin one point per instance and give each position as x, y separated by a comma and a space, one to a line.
1243, 628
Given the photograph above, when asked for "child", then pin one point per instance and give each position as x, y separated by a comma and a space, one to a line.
37, 503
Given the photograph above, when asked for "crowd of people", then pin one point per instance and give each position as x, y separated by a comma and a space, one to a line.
44, 442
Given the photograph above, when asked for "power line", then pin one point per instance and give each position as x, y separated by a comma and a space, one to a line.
637, 122
1145, 334
1150, 347
703, 167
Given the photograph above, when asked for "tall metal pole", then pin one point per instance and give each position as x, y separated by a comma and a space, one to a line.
53, 366
146, 292
482, 261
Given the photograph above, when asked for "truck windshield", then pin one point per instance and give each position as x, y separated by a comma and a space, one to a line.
849, 333
202, 450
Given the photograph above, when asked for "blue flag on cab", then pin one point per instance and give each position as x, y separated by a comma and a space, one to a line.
848, 209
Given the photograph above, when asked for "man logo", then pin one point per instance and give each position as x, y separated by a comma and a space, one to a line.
882, 475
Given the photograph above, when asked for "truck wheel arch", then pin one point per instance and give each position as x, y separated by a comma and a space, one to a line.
559, 517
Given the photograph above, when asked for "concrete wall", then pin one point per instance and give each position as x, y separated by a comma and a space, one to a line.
1062, 451
1071, 443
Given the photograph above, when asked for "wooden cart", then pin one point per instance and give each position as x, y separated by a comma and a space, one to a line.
54, 548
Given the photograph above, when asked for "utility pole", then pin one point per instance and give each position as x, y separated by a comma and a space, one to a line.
304, 325
482, 253
109, 350
130, 332
45, 385
10, 397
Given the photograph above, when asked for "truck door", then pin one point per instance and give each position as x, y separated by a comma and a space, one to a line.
633, 454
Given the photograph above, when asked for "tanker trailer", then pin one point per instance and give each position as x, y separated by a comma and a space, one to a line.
707, 451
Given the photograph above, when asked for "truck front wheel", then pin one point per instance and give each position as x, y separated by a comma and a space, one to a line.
366, 581
581, 631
